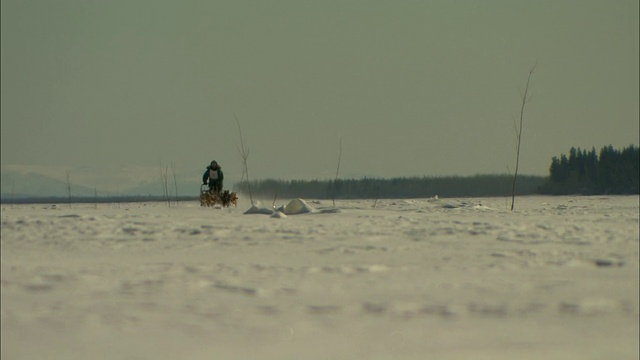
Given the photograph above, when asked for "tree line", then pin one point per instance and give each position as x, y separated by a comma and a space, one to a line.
612, 171
403, 187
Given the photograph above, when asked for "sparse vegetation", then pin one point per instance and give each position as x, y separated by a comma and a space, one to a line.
69, 187
175, 181
244, 154
333, 199
525, 99
165, 183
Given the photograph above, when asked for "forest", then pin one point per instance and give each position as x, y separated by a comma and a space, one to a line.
407, 187
612, 171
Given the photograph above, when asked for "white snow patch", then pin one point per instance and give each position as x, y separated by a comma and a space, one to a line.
396, 281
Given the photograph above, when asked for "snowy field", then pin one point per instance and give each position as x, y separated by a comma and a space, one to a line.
409, 279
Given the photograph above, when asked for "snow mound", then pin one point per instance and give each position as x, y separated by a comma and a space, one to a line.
259, 210
296, 206
278, 215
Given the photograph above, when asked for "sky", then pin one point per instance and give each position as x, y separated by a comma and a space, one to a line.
382, 88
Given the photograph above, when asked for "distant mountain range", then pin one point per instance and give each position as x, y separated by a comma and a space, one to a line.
17, 185
34, 181
19, 182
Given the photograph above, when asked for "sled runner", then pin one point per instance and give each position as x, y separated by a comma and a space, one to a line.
212, 198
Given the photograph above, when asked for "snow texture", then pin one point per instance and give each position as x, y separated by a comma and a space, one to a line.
389, 279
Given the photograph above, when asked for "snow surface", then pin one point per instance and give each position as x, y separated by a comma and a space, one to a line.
406, 279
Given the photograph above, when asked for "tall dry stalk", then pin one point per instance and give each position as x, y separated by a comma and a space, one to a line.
244, 153
375, 202
13, 188
175, 181
69, 188
165, 184
506, 200
525, 99
333, 198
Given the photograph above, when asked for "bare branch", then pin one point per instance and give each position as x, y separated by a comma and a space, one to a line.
69, 187
519, 142
164, 183
244, 153
337, 170
175, 181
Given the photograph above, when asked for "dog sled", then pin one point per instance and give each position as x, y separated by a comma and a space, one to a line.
210, 198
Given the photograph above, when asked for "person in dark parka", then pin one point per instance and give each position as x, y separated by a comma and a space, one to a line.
214, 177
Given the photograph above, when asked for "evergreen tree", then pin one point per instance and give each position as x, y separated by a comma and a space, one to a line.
612, 172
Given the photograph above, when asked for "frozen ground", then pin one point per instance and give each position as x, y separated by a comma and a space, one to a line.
408, 279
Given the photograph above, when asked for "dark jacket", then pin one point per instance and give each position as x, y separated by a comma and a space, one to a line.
206, 178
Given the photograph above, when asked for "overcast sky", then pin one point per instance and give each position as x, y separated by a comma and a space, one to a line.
410, 87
